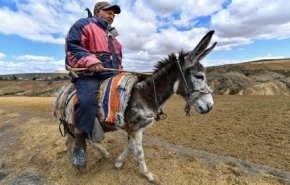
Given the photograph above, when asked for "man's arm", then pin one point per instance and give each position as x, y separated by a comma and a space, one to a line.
77, 54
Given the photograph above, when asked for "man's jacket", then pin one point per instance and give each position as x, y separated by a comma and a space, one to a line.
87, 44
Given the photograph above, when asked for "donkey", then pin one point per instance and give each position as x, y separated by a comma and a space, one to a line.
183, 75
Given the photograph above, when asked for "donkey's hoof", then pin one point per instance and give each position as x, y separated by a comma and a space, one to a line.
109, 158
155, 180
118, 165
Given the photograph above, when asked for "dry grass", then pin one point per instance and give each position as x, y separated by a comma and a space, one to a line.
268, 65
254, 128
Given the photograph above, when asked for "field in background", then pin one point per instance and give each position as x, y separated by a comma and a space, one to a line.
254, 129
262, 77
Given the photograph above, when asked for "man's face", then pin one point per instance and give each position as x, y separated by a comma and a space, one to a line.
107, 15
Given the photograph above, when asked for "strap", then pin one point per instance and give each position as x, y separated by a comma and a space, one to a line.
160, 115
183, 78
115, 62
63, 134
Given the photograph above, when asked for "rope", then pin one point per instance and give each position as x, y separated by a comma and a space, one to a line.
160, 115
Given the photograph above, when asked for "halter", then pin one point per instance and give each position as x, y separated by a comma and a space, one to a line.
191, 96
183, 78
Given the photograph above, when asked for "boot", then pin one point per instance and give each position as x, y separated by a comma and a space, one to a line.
79, 156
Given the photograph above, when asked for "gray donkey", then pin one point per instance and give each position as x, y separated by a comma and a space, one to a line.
183, 75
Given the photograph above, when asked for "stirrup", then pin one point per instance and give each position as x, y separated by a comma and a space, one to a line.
79, 158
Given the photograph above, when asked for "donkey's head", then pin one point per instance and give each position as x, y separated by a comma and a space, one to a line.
192, 84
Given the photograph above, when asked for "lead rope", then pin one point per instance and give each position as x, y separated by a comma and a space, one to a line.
160, 115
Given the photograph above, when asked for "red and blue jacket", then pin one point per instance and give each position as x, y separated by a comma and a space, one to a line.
87, 44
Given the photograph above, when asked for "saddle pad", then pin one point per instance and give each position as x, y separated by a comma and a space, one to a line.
60, 103
114, 97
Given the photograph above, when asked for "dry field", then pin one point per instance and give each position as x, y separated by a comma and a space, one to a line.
243, 140
282, 64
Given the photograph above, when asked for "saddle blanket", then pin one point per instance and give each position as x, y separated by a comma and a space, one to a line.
113, 98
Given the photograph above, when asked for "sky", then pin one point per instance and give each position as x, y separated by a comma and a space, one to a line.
32, 32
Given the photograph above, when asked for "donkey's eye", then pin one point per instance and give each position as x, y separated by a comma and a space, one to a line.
199, 76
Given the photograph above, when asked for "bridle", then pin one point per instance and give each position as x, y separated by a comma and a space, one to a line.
190, 97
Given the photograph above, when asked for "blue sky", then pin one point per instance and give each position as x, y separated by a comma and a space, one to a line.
32, 32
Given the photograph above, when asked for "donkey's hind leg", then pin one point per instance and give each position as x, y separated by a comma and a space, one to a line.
124, 154
139, 153
103, 150
69, 141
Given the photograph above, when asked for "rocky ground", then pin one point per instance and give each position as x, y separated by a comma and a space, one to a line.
265, 77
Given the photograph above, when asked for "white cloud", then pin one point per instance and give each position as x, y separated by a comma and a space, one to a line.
2, 55
31, 64
44, 21
34, 58
256, 19
151, 29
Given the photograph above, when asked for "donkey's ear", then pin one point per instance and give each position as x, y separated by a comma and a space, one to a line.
205, 52
201, 47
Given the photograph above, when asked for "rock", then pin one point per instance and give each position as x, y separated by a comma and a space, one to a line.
3, 174
28, 177
268, 88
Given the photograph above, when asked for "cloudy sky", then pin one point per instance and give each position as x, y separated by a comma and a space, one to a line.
32, 32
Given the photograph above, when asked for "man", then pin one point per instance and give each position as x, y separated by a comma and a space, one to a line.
91, 44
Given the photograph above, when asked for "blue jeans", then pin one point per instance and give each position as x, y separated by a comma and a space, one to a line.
87, 88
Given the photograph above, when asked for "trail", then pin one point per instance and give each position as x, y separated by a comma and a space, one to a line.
215, 159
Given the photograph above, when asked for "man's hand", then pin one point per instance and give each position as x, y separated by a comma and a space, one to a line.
96, 68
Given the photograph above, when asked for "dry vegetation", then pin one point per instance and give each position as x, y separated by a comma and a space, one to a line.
244, 140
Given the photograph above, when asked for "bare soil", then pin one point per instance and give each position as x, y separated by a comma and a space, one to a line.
243, 140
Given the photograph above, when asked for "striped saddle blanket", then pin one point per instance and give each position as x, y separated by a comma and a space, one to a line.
113, 98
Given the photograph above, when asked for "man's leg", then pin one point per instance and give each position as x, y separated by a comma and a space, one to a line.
85, 114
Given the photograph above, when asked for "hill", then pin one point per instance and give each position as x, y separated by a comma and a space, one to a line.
261, 77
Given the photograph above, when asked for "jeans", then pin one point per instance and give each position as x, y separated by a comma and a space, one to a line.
87, 88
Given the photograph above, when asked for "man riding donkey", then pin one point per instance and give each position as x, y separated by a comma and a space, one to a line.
91, 44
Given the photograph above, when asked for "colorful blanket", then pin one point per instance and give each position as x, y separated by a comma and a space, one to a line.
113, 98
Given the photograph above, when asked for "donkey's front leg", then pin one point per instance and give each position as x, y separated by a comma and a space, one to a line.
125, 153
139, 153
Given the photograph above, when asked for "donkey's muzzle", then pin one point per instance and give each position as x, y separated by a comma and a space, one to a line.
205, 110
204, 104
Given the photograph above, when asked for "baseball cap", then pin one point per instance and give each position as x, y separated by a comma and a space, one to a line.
104, 5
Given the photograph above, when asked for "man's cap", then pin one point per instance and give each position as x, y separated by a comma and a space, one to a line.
104, 5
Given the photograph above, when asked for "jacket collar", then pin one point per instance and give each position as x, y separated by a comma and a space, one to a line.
101, 23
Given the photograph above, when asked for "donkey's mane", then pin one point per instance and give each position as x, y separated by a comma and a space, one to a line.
163, 65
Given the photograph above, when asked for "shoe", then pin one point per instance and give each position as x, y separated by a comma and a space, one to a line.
79, 158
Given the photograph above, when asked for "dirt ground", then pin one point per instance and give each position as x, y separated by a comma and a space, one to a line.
243, 140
